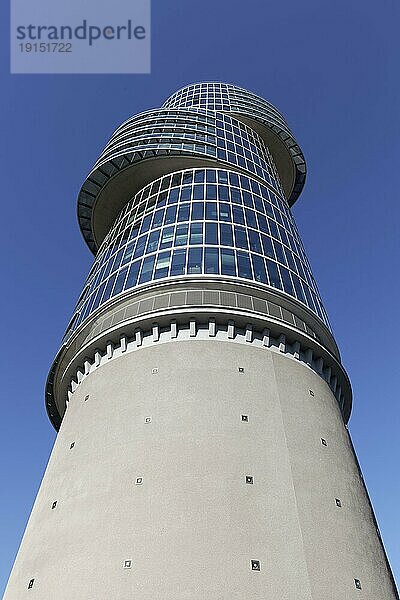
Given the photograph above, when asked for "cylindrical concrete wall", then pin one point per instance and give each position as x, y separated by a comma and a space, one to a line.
180, 463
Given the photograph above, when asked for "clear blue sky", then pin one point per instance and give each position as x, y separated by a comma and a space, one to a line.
333, 69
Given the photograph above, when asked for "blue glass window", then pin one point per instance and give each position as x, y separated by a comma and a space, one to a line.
140, 246
186, 193
183, 213
228, 266
299, 288
167, 237
225, 211
273, 274
173, 196
199, 176
211, 233
152, 243
147, 269
244, 266
211, 176
287, 283
236, 196
211, 211
251, 218
238, 215
119, 283
178, 262
181, 237
198, 192
195, 260
132, 275
223, 193
211, 192
145, 224
254, 240
247, 199
123, 243
259, 268
158, 218
274, 229
279, 252
162, 265
211, 260
197, 211
170, 215
127, 256
98, 297
226, 236
241, 238
196, 233
109, 287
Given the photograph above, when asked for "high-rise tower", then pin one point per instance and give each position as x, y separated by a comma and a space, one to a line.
199, 395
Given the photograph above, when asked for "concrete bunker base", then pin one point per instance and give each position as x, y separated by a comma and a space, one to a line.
150, 474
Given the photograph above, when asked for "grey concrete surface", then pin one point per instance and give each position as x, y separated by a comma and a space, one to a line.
193, 526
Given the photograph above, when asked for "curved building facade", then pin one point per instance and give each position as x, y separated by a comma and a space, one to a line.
199, 396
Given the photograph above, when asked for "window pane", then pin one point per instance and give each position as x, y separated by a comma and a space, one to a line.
158, 218
109, 286
211, 211
287, 283
244, 267
279, 252
262, 223
152, 244
197, 211
211, 260
147, 269
211, 233
132, 275
259, 268
196, 233
167, 237
227, 262
254, 240
223, 192
198, 192
183, 213
247, 199
162, 265
298, 288
226, 236
211, 192
251, 218
181, 235
119, 283
225, 211
178, 262
173, 196
267, 246
128, 254
145, 224
170, 215
236, 196
195, 260
273, 274
140, 245
238, 215
241, 238
274, 228
186, 194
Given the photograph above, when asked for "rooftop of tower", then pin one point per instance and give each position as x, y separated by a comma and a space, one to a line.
148, 145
